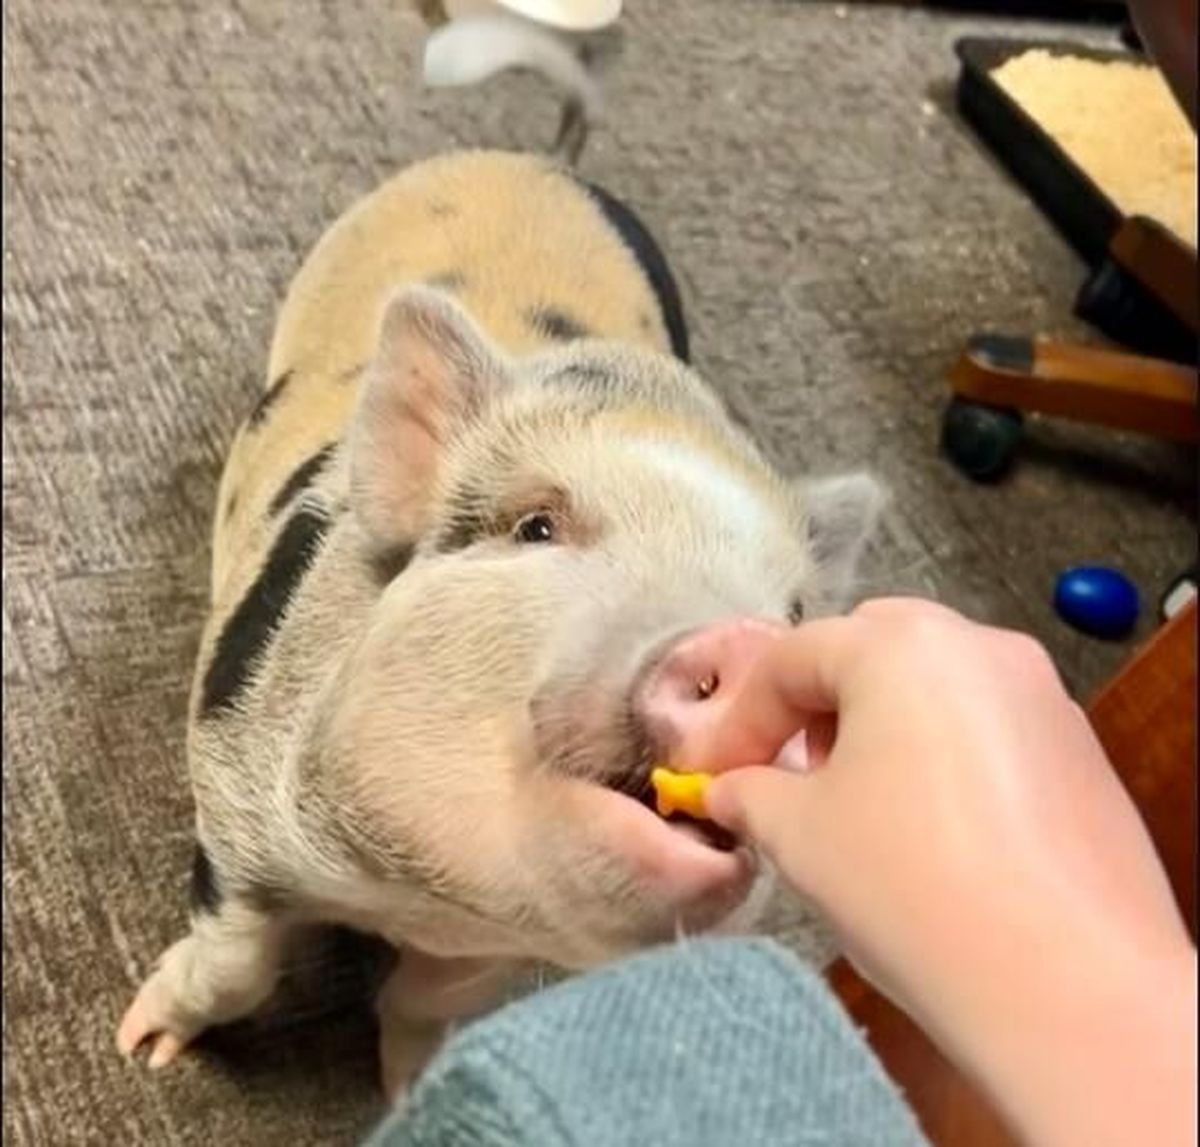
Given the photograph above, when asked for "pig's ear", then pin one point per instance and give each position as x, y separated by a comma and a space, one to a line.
433, 372
839, 517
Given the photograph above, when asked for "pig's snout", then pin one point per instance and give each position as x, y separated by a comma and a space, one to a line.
680, 699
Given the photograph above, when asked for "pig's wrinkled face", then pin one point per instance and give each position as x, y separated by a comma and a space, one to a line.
575, 516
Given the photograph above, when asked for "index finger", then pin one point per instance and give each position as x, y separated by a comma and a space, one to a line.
803, 673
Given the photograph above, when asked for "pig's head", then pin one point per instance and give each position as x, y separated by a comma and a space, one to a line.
575, 518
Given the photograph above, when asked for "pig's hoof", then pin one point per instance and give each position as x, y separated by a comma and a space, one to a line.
145, 1022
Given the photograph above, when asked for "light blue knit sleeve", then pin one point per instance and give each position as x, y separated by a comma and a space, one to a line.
711, 1043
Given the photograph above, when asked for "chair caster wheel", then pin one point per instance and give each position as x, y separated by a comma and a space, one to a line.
981, 440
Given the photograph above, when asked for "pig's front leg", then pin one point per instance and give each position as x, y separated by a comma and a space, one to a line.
419, 1004
221, 971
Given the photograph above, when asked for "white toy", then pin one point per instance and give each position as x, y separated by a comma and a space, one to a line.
474, 40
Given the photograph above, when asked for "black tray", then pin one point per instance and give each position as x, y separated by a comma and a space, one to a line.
1084, 214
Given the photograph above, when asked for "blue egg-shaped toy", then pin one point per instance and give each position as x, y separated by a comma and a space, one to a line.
1098, 601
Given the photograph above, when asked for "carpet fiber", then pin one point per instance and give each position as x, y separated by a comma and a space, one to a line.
837, 233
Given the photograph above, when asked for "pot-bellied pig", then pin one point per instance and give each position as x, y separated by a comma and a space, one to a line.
483, 547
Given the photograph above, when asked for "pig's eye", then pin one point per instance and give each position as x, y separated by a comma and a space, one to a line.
534, 529
796, 612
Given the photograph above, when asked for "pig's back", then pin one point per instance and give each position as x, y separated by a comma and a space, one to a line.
533, 254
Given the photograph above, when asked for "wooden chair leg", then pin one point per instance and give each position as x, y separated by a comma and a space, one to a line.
1162, 264
1145, 718
1085, 384
951, 1111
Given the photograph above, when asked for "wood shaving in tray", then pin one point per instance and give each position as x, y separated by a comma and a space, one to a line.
1119, 124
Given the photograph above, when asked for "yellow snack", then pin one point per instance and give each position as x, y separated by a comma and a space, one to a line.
680, 792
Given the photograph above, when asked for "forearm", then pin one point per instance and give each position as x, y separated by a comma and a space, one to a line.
1098, 1050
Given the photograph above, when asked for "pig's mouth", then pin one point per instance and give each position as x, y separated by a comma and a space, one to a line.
634, 782
592, 743
683, 860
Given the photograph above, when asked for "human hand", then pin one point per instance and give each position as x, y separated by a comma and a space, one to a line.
964, 833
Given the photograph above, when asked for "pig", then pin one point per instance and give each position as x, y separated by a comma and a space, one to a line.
485, 548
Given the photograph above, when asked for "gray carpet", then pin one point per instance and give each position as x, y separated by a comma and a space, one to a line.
837, 232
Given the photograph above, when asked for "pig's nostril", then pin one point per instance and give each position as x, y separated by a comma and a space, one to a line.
707, 686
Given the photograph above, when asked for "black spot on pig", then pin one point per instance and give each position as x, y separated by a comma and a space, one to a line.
231, 505
205, 892
250, 627
652, 262
468, 521
390, 564
551, 323
264, 404
451, 281
302, 477
582, 374
461, 531
442, 209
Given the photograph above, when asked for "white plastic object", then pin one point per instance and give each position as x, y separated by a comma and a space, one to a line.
566, 15
1177, 597
474, 48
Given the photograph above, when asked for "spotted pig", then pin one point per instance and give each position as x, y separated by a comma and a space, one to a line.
483, 546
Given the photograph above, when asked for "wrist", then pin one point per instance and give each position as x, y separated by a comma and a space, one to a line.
1082, 1046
